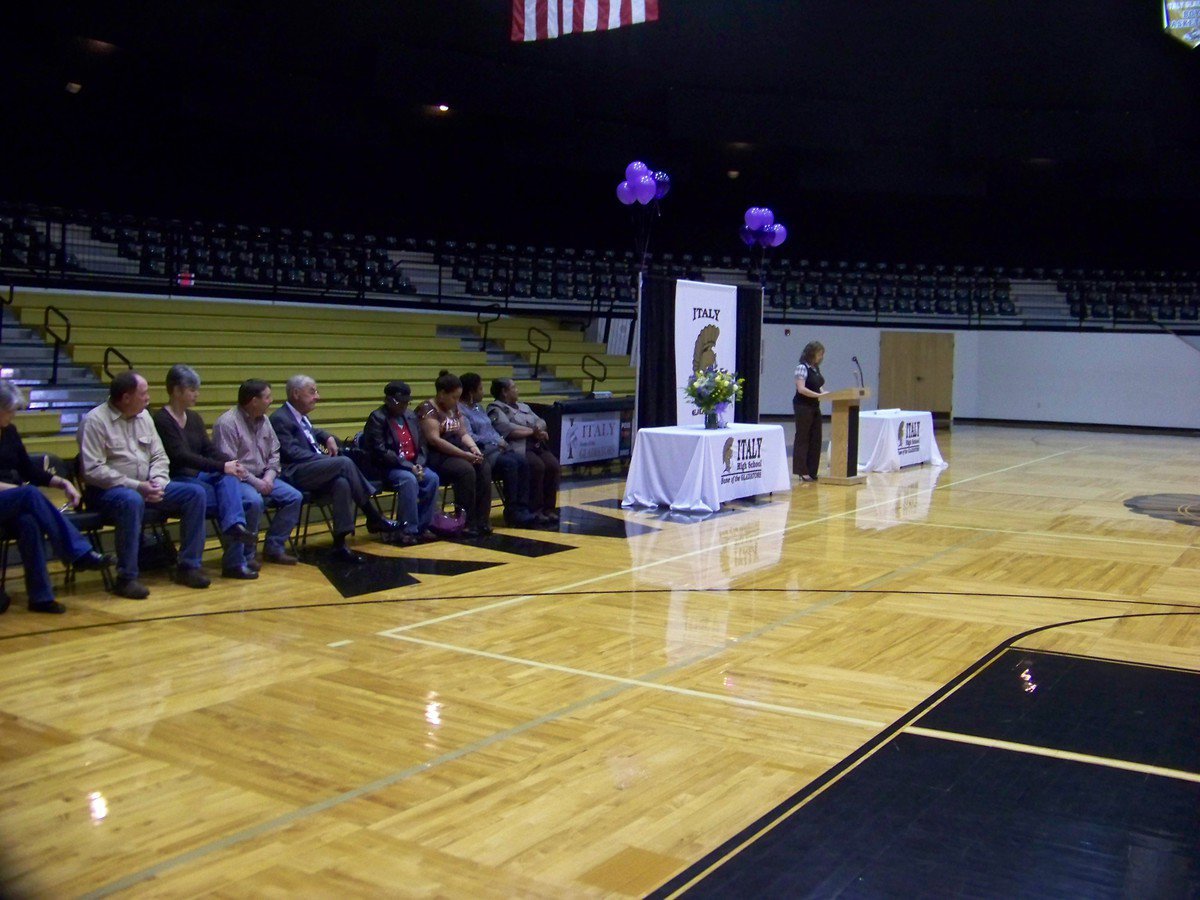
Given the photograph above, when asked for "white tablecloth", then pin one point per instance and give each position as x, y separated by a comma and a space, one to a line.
889, 439
694, 469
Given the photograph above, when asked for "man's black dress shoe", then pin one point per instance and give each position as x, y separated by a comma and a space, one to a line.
345, 555
93, 560
47, 606
243, 571
131, 588
193, 578
383, 526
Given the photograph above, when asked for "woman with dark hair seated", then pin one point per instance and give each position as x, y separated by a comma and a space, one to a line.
454, 455
526, 433
27, 515
509, 466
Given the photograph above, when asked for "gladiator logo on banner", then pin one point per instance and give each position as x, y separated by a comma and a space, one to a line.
587, 437
742, 459
908, 437
705, 335
1181, 20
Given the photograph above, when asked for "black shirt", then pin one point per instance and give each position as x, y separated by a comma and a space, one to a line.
15, 465
813, 380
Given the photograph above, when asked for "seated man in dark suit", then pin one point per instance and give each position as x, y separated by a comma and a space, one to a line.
310, 462
396, 450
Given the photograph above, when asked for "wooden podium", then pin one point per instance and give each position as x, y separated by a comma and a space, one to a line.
843, 443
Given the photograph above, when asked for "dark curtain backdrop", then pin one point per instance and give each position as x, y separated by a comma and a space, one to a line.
749, 350
656, 353
656, 404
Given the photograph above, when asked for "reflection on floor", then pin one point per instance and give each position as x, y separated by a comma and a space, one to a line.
1181, 508
677, 517
971, 804
382, 573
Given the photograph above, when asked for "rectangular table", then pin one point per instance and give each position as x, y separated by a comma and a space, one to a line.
889, 439
693, 469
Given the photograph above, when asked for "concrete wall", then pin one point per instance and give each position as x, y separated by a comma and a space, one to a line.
1027, 376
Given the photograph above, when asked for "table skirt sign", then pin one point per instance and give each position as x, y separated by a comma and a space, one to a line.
694, 469
891, 439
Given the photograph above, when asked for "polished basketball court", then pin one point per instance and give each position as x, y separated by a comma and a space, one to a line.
976, 680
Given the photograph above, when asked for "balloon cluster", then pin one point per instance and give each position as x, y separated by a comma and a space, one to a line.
641, 185
762, 229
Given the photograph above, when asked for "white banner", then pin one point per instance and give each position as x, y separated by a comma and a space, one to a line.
590, 436
705, 335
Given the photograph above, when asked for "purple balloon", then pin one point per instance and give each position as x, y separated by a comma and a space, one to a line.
636, 170
625, 193
766, 236
780, 235
644, 188
662, 185
748, 237
759, 217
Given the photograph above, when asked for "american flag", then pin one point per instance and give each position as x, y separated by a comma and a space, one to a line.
535, 20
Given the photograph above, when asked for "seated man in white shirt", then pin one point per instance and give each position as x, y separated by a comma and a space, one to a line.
125, 469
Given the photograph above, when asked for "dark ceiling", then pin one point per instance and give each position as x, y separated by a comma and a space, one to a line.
1024, 131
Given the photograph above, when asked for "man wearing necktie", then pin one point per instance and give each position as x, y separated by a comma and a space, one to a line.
311, 463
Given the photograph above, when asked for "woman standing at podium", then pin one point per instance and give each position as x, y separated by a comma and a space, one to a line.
806, 451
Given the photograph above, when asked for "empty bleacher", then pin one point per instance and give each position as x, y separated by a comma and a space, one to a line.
351, 353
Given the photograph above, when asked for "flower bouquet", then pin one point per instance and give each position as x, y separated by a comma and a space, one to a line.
713, 391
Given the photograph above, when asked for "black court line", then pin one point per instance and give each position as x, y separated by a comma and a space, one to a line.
715, 868
247, 610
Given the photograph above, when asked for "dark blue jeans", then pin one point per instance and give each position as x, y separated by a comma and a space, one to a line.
416, 497
223, 494
286, 500
28, 515
125, 507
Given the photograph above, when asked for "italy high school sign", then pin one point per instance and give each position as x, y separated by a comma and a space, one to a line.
1181, 20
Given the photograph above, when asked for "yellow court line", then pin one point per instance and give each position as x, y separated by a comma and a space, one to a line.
1032, 750
500, 604
638, 682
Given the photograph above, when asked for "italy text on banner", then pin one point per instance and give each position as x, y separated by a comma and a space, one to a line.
1181, 19
705, 335
535, 20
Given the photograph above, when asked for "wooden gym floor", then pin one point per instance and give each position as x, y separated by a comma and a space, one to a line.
643, 703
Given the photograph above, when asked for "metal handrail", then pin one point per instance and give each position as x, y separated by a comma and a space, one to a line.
537, 359
59, 340
113, 351
603, 376
479, 317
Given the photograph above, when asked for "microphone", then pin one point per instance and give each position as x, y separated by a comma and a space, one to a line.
861, 383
